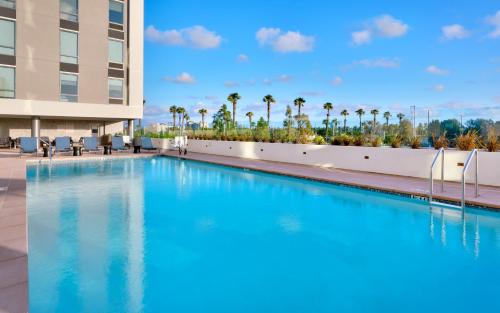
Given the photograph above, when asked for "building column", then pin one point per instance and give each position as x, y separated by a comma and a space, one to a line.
131, 129
35, 126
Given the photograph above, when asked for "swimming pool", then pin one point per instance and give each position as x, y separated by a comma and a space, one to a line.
168, 235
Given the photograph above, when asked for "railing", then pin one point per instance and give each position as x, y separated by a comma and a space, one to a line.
472, 154
464, 171
431, 178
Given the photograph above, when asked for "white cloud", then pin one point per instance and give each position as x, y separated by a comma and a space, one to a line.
433, 69
312, 93
284, 41
284, 78
384, 26
495, 22
154, 110
242, 58
381, 62
231, 84
267, 81
196, 37
439, 88
337, 81
361, 37
388, 26
455, 31
182, 78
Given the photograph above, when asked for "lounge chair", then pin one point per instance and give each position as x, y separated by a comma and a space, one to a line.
117, 144
90, 144
63, 144
28, 145
147, 144
5, 142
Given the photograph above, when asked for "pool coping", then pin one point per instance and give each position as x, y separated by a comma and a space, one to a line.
253, 165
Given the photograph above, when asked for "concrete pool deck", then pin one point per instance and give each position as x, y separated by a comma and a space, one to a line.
13, 224
489, 196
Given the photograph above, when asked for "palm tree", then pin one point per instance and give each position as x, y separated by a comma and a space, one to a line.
387, 116
344, 113
299, 102
400, 116
173, 110
233, 98
227, 119
289, 116
360, 113
203, 112
185, 118
327, 106
268, 100
250, 115
180, 111
374, 112
334, 125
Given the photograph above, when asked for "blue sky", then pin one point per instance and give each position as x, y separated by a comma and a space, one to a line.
389, 55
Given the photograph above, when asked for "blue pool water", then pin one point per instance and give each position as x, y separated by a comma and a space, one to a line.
165, 235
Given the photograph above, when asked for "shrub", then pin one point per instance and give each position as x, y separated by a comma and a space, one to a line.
319, 140
440, 142
344, 139
492, 143
415, 142
336, 141
376, 142
359, 140
468, 141
396, 141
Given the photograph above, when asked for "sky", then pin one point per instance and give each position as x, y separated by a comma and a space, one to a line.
437, 55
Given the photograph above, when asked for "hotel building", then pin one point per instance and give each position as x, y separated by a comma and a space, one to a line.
70, 67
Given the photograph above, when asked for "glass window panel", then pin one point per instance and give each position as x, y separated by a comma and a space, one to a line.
69, 87
116, 51
115, 12
116, 88
7, 82
11, 4
7, 37
69, 10
69, 47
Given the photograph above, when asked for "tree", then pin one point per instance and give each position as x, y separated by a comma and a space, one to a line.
173, 110
185, 119
289, 120
328, 107
249, 115
227, 120
374, 112
334, 125
400, 116
220, 118
344, 113
268, 99
360, 113
299, 102
203, 112
233, 98
387, 116
180, 111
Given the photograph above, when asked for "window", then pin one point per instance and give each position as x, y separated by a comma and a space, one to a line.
115, 88
116, 12
68, 10
7, 37
115, 51
7, 82
69, 47
69, 87
10, 4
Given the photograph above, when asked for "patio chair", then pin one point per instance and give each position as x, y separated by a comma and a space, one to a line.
90, 144
28, 145
5, 142
63, 144
117, 144
147, 144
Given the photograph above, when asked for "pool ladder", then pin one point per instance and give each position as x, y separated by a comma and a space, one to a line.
472, 155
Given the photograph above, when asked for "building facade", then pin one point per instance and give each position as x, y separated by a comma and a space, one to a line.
70, 67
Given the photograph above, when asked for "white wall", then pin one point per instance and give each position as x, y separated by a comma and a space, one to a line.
401, 161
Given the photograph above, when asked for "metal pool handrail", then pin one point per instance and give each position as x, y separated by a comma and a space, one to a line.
473, 153
50, 147
431, 178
